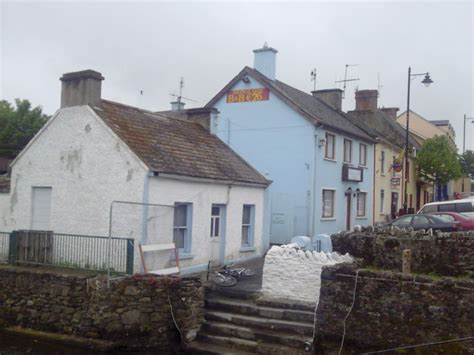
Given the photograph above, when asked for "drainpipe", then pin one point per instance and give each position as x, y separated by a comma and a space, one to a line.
313, 183
145, 200
373, 184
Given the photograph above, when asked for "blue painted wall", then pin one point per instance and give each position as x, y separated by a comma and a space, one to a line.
282, 145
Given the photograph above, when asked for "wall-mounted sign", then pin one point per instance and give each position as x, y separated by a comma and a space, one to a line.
248, 95
352, 174
395, 181
397, 165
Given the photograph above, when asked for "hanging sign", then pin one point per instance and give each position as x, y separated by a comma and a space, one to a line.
397, 165
248, 95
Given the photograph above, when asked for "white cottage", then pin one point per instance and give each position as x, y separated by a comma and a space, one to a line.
94, 151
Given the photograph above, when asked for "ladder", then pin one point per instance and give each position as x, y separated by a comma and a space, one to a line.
155, 248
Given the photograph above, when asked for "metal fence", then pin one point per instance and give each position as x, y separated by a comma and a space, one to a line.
67, 250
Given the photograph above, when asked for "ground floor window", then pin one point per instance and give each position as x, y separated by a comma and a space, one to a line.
182, 226
328, 203
248, 221
361, 204
382, 200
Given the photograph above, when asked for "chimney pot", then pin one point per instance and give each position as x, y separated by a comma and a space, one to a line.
81, 88
332, 97
265, 61
366, 100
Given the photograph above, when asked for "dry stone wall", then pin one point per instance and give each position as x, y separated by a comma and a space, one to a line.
448, 254
392, 310
135, 309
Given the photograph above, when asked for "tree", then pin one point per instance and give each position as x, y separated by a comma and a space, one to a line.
18, 125
438, 161
467, 163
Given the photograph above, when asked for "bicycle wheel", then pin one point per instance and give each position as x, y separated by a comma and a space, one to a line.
224, 280
248, 272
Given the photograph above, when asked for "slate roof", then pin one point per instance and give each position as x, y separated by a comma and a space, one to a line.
174, 146
4, 184
379, 124
314, 109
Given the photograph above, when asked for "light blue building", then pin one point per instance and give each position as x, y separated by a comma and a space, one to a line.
320, 163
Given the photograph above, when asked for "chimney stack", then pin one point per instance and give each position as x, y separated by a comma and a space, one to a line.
265, 61
177, 105
332, 97
81, 88
366, 100
391, 111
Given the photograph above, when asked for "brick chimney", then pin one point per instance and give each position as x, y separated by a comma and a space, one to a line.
366, 100
265, 61
333, 97
81, 88
391, 111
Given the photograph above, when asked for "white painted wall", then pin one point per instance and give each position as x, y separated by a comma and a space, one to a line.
5, 212
295, 274
202, 195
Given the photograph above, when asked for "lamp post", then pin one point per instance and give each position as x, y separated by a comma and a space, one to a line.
464, 142
426, 81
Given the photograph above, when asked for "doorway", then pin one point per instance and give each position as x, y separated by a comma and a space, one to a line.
348, 210
217, 234
394, 205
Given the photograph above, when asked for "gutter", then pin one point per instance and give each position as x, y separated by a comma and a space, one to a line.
210, 180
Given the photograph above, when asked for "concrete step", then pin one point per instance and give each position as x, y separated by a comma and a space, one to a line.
290, 327
231, 292
204, 348
229, 342
255, 334
247, 307
285, 304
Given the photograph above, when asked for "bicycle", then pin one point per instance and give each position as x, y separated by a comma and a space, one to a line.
228, 276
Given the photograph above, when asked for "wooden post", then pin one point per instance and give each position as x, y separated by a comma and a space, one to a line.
406, 259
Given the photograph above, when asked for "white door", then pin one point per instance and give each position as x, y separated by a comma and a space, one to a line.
218, 234
41, 212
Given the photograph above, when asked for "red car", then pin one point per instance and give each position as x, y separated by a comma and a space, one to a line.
464, 223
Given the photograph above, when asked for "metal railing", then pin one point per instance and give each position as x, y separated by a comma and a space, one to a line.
68, 250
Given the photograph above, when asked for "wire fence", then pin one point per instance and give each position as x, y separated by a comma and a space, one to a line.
67, 250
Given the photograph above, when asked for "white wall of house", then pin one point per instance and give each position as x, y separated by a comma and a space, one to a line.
202, 195
5, 212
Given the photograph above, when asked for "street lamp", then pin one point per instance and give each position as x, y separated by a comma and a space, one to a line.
426, 81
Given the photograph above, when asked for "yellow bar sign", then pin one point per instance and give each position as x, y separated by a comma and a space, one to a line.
248, 95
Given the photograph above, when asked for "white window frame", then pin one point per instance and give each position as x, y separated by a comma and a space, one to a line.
333, 147
250, 227
362, 155
333, 214
359, 215
346, 140
187, 228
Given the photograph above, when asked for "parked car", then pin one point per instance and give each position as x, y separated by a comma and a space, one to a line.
465, 223
464, 206
423, 221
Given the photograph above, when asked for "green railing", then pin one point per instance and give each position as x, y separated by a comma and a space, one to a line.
67, 250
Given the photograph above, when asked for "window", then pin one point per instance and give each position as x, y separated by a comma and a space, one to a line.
382, 200
215, 221
407, 170
402, 221
248, 218
448, 217
447, 207
347, 150
464, 207
182, 227
429, 209
362, 154
411, 201
330, 152
41, 208
382, 162
328, 204
420, 221
361, 204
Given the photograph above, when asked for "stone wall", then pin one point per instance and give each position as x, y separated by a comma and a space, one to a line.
295, 274
392, 310
448, 254
135, 309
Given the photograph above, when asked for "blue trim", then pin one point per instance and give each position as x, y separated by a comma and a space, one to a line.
251, 239
189, 227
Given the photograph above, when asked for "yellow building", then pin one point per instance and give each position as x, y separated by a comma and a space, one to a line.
389, 166
422, 129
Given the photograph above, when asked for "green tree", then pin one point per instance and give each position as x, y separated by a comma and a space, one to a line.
438, 161
18, 125
467, 163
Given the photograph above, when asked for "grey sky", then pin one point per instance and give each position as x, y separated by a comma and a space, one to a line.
149, 46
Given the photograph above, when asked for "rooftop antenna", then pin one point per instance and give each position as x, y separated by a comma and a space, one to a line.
345, 81
180, 96
313, 78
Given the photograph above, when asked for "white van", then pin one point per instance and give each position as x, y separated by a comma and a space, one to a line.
464, 206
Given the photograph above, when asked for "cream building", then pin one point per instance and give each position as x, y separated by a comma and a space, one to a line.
422, 129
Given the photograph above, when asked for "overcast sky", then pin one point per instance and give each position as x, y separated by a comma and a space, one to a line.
149, 46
